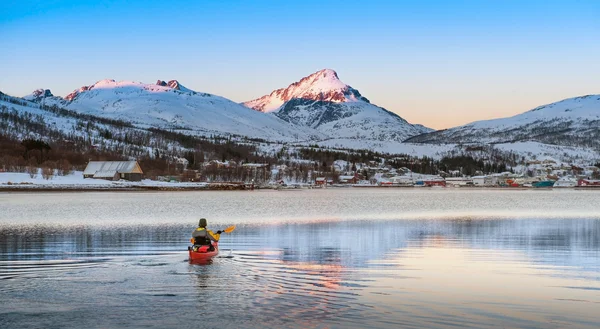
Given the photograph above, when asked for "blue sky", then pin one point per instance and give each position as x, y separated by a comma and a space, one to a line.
438, 63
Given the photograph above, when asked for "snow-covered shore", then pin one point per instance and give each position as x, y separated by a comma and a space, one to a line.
23, 181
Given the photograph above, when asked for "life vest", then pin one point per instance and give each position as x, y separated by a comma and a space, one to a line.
200, 236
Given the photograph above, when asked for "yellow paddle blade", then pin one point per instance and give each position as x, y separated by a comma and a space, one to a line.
229, 229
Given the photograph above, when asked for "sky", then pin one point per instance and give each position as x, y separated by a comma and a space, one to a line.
437, 63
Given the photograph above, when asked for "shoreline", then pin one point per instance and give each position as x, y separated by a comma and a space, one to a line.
32, 188
119, 188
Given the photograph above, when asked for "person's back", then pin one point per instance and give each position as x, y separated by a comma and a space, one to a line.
203, 236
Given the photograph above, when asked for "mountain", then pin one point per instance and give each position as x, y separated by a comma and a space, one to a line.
74, 138
170, 105
323, 85
571, 122
323, 102
79, 136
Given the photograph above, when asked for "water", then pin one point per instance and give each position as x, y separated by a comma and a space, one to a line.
345, 258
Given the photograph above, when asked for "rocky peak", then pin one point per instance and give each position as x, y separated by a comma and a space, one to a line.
174, 84
327, 75
323, 85
41, 93
70, 97
38, 95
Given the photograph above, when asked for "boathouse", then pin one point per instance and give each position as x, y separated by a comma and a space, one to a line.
114, 170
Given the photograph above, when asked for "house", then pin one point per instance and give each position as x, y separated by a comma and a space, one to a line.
320, 181
484, 180
254, 165
113, 170
435, 182
217, 164
459, 181
344, 179
402, 180
588, 182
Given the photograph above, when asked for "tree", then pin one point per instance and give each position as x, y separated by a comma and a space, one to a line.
47, 172
35, 144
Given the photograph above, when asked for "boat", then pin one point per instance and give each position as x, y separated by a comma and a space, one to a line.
202, 253
544, 183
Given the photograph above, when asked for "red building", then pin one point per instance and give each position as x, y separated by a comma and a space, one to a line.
348, 179
588, 182
435, 183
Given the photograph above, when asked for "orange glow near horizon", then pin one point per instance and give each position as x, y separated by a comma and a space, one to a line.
457, 277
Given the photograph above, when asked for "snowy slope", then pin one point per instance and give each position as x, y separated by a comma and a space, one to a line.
21, 119
52, 121
323, 102
172, 106
527, 150
73, 126
358, 120
573, 122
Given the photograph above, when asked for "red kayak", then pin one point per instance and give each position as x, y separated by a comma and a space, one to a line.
202, 253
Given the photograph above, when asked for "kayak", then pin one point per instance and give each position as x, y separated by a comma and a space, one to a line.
203, 254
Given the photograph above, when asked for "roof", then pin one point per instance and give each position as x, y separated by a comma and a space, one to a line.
105, 174
460, 178
118, 166
347, 177
258, 165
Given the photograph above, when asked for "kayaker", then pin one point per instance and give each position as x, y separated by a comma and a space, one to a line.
203, 236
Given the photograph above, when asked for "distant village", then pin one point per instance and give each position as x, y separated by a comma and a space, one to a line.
341, 173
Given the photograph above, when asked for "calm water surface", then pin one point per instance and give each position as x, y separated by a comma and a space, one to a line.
345, 258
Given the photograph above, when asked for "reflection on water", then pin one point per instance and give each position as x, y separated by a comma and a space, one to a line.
328, 272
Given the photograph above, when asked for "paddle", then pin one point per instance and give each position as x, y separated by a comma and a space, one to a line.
229, 229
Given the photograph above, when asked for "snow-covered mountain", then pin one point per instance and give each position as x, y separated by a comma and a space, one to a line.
572, 122
170, 105
20, 119
323, 85
322, 102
